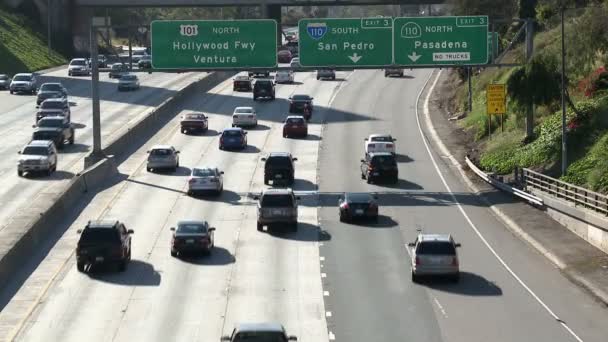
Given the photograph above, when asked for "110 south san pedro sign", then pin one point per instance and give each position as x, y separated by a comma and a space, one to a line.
213, 44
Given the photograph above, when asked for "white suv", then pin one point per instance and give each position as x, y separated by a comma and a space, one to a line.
38, 156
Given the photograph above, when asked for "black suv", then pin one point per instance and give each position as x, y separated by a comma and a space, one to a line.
263, 89
55, 128
279, 167
379, 165
104, 242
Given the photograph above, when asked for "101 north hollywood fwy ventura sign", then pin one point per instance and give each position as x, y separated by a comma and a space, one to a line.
214, 44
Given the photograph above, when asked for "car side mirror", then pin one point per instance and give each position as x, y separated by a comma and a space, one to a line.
411, 244
298, 198
394, 139
176, 151
147, 151
18, 152
365, 139
256, 197
292, 338
172, 229
225, 338
33, 126
263, 159
130, 231
212, 229
363, 160
457, 245
79, 231
295, 159
221, 172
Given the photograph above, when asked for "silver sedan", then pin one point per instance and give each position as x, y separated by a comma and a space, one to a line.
203, 179
162, 157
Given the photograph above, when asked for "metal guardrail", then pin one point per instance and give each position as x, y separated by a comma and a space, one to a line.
569, 192
504, 187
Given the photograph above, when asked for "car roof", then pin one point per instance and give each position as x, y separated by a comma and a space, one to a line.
272, 327
233, 129
43, 143
79, 59
358, 196
102, 223
54, 99
244, 107
161, 147
301, 97
380, 135
263, 80
435, 237
277, 191
279, 154
24, 74
201, 222
295, 117
52, 117
50, 83
384, 154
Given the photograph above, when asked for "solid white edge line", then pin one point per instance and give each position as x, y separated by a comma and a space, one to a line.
463, 212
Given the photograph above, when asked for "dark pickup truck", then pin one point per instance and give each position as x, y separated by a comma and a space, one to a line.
193, 122
56, 129
104, 242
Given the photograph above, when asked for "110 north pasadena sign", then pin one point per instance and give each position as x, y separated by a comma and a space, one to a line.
214, 44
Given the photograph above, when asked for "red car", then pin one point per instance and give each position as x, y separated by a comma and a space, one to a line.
295, 125
284, 56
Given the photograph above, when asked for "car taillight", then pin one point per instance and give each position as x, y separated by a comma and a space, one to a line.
117, 252
213, 180
389, 145
191, 180
204, 240
221, 140
250, 116
454, 261
373, 206
345, 206
418, 261
174, 241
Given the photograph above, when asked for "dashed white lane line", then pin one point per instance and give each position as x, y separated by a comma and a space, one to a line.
466, 216
440, 308
325, 293
323, 275
328, 314
322, 258
332, 337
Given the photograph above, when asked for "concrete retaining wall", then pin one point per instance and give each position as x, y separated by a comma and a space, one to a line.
28, 230
585, 223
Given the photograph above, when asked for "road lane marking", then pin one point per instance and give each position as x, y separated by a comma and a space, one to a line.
326, 293
463, 212
332, 337
323, 275
440, 307
328, 314
322, 258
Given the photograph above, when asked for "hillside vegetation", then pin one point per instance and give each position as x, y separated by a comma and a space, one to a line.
22, 49
538, 83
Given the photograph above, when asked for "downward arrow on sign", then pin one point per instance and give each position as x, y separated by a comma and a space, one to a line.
414, 56
355, 58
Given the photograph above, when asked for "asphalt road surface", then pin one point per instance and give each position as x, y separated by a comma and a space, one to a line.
17, 115
328, 281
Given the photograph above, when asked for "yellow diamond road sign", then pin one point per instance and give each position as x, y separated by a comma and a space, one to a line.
496, 97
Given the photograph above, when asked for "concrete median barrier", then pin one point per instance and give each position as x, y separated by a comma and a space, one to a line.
30, 228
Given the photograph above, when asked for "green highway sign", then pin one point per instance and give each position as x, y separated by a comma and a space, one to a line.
421, 41
493, 46
345, 42
214, 44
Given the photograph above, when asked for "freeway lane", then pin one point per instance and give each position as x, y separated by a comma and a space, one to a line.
371, 296
117, 110
250, 276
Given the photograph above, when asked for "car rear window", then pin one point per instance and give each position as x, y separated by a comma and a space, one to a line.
192, 228
203, 172
78, 62
35, 150
100, 235
128, 77
383, 139
52, 104
295, 121
300, 98
243, 111
22, 78
264, 84
195, 117
260, 336
50, 87
359, 198
276, 200
436, 248
242, 78
278, 161
232, 133
3, 77
50, 123
161, 152
384, 160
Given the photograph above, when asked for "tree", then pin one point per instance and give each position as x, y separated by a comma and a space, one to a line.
527, 9
493, 8
536, 83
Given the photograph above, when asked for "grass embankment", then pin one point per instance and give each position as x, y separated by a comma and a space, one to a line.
22, 49
502, 152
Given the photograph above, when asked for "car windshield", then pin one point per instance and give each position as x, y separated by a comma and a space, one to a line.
436, 248
22, 78
203, 173
295, 121
232, 133
161, 152
383, 139
50, 87
260, 336
78, 62
129, 78
52, 105
265, 84
243, 110
35, 150
192, 228
384, 160
50, 123
117, 66
100, 235
300, 98
277, 201
194, 117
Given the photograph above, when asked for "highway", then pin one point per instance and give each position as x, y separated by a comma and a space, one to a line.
330, 280
17, 114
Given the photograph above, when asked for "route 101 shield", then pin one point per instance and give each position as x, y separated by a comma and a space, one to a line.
316, 31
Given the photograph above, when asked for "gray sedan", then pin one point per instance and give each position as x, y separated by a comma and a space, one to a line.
162, 157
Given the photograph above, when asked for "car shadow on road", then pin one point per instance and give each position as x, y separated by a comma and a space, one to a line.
337, 79
75, 148
383, 222
401, 184
403, 158
180, 172
247, 149
306, 232
207, 133
78, 125
309, 137
219, 256
226, 196
259, 127
55, 176
138, 273
470, 284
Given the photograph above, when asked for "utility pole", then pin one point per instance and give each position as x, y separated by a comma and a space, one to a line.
564, 133
48, 26
97, 153
469, 79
